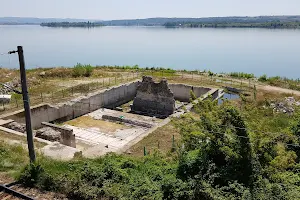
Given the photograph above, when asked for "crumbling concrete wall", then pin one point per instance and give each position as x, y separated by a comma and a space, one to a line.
154, 98
111, 97
182, 92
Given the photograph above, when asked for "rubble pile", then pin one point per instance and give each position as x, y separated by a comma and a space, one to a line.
48, 133
15, 84
287, 106
16, 127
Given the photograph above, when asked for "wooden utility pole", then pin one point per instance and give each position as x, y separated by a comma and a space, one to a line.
26, 104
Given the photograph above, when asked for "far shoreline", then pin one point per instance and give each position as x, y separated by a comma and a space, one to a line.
176, 27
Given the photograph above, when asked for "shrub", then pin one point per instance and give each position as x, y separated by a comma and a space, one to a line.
241, 75
80, 70
263, 78
192, 96
88, 70
31, 175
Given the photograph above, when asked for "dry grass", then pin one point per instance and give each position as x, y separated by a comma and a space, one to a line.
8, 74
161, 140
89, 122
9, 137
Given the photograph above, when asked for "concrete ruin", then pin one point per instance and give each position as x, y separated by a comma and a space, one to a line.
154, 98
149, 98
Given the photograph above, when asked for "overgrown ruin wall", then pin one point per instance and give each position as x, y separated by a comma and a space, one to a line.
111, 97
154, 98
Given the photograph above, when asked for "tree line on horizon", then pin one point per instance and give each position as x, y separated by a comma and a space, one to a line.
211, 22
71, 24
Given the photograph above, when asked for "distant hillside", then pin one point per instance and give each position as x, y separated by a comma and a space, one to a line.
209, 20
25, 20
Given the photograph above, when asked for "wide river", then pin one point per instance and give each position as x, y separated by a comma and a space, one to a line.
258, 51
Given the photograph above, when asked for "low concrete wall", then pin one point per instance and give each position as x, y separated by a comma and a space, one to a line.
217, 94
67, 136
112, 97
182, 92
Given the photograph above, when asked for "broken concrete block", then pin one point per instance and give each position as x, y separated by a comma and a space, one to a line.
48, 133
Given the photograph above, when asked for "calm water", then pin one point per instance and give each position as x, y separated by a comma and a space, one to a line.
258, 51
228, 96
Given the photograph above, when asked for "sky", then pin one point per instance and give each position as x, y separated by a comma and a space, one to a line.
131, 9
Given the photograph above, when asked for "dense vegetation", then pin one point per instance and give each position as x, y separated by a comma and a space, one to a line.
225, 153
71, 24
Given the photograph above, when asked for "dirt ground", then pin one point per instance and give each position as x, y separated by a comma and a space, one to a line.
278, 89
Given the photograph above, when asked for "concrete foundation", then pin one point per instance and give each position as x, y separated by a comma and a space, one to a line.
109, 98
93, 104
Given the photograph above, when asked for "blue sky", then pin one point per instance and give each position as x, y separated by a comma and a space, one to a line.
126, 9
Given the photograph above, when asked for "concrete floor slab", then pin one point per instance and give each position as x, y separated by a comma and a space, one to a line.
59, 151
102, 143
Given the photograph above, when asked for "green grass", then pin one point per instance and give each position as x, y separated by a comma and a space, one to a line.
12, 158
